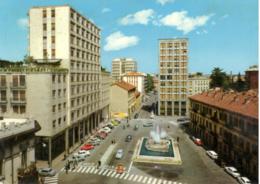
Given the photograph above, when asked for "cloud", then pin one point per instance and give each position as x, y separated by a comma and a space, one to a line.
140, 17
225, 16
202, 32
213, 23
23, 22
118, 41
182, 22
163, 2
105, 10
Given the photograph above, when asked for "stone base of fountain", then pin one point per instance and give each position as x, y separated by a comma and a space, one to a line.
162, 146
170, 156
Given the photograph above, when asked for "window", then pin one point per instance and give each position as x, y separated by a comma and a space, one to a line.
53, 108
15, 109
2, 80
59, 121
3, 95
52, 13
59, 92
53, 123
45, 53
53, 53
44, 13
3, 108
53, 78
64, 118
44, 27
53, 39
53, 93
53, 26
59, 107
22, 109
64, 105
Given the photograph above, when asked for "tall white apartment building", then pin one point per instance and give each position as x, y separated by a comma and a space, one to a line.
198, 84
137, 79
106, 82
173, 78
59, 32
121, 66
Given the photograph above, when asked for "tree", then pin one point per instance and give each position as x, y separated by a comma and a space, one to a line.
150, 85
239, 85
199, 73
219, 79
28, 59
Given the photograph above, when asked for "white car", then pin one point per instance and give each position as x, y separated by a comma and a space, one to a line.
212, 154
243, 180
83, 153
232, 171
119, 154
47, 172
105, 129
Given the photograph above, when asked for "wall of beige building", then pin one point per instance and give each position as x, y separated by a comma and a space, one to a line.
119, 99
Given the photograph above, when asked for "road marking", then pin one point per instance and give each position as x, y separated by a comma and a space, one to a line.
96, 171
165, 182
83, 170
100, 171
117, 175
159, 181
62, 169
88, 170
136, 176
140, 178
122, 175
154, 181
110, 172
113, 174
104, 173
92, 170
131, 177
144, 180
149, 181
126, 176
79, 169
169, 182
130, 166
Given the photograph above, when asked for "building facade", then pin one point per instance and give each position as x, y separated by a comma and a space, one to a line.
198, 84
73, 109
106, 82
252, 77
124, 98
17, 147
137, 79
227, 122
121, 66
173, 77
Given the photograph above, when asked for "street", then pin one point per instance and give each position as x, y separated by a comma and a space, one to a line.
196, 166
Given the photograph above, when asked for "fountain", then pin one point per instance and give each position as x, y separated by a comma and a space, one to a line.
158, 148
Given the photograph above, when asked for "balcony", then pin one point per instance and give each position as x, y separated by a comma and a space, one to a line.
18, 101
17, 86
3, 100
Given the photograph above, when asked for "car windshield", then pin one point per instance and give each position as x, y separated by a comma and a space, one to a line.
46, 170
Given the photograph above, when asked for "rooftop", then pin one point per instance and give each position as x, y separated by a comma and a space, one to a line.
244, 103
134, 74
125, 85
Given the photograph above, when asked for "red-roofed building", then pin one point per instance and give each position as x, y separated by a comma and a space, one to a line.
227, 122
124, 98
252, 77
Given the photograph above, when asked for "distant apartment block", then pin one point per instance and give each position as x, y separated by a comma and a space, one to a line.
124, 98
61, 89
227, 122
252, 77
198, 84
17, 148
121, 66
173, 78
137, 79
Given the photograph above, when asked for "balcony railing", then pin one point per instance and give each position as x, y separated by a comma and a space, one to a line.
18, 100
18, 86
3, 100
3, 85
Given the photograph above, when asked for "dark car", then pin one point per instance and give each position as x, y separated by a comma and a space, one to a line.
128, 138
136, 116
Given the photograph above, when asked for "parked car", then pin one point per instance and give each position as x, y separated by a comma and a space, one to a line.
101, 135
106, 129
95, 142
128, 138
243, 180
109, 126
136, 127
212, 154
119, 154
47, 172
95, 139
77, 158
83, 153
148, 124
232, 171
87, 147
198, 141
114, 123
192, 138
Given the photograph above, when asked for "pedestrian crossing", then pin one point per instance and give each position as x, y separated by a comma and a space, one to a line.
110, 172
51, 180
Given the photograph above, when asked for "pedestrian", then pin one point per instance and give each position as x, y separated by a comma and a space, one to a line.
178, 139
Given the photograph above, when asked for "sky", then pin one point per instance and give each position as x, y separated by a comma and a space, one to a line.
221, 33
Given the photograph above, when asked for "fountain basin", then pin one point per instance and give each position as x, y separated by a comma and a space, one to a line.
170, 156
